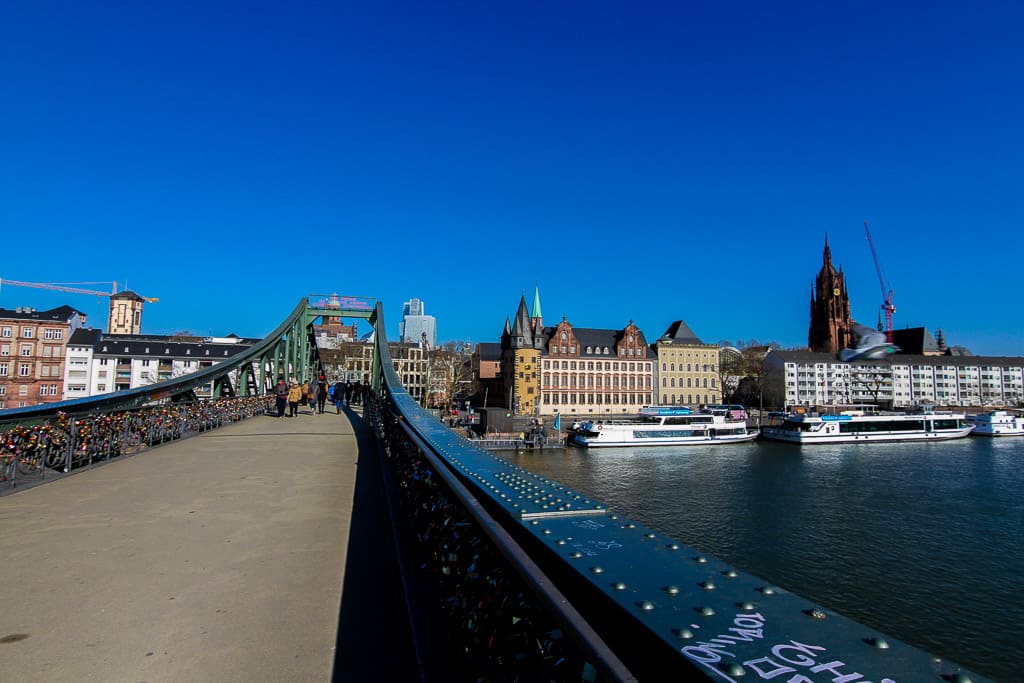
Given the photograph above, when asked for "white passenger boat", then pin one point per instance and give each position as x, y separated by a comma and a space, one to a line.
997, 423
661, 426
811, 428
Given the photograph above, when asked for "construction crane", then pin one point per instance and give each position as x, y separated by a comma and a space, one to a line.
888, 307
63, 287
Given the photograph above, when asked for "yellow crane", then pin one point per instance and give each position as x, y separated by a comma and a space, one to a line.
63, 287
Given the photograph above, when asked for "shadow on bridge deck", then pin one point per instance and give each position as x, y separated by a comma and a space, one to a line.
257, 552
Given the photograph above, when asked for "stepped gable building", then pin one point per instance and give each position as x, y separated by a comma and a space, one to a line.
831, 328
33, 347
573, 371
686, 368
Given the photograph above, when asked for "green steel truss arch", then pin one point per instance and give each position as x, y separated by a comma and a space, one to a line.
290, 351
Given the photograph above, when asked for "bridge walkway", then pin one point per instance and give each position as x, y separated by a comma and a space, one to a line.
257, 552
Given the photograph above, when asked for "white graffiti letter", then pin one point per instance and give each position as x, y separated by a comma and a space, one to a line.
806, 660
763, 672
839, 678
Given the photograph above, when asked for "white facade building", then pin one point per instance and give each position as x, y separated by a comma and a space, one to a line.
804, 378
100, 364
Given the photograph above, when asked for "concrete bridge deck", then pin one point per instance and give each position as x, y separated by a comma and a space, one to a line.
257, 552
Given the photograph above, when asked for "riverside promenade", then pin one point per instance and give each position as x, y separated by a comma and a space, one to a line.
260, 551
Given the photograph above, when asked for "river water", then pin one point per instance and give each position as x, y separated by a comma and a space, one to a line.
924, 542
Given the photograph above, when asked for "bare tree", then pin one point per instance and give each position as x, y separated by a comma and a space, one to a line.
451, 373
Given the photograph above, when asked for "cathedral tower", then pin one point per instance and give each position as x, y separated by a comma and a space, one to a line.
831, 327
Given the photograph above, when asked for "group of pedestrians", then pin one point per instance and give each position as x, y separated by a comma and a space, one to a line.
315, 394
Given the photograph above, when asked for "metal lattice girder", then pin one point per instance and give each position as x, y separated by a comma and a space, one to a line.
270, 355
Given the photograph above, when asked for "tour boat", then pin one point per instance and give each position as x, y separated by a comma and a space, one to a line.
997, 423
859, 427
661, 426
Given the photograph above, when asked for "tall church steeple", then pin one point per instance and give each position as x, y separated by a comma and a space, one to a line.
536, 318
831, 326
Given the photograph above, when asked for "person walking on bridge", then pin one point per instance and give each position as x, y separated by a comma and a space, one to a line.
321, 393
311, 397
294, 396
339, 396
281, 395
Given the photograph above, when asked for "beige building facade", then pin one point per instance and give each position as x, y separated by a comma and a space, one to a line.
687, 368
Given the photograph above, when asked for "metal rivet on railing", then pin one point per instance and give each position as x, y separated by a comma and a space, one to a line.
746, 605
597, 570
815, 614
879, 643
576, 554
619, 586
731, 573
707, 585
672, 590
733, 669
767, 590
700, 560
673, 546
706, 611
560, 541
645, 605
650, 535
684, 633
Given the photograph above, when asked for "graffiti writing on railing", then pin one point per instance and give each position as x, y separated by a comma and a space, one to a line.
790, 662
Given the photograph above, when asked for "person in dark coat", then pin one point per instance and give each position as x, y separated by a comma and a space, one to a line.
281, 396
321, 393
339, 395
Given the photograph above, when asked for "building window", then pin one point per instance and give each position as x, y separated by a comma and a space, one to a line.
5, 350
26, 349
23, 369
5, 332
27, 332
3, 369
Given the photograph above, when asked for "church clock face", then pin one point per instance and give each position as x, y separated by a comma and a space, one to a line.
835, 291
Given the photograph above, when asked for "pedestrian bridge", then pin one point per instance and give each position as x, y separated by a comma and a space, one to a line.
147, 536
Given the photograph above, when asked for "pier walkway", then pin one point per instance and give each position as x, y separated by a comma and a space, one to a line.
256, 552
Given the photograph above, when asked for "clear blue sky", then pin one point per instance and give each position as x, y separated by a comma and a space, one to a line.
645, 161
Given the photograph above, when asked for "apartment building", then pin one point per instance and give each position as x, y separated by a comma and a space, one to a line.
353, 362
100, 363
32, 354
901, 380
